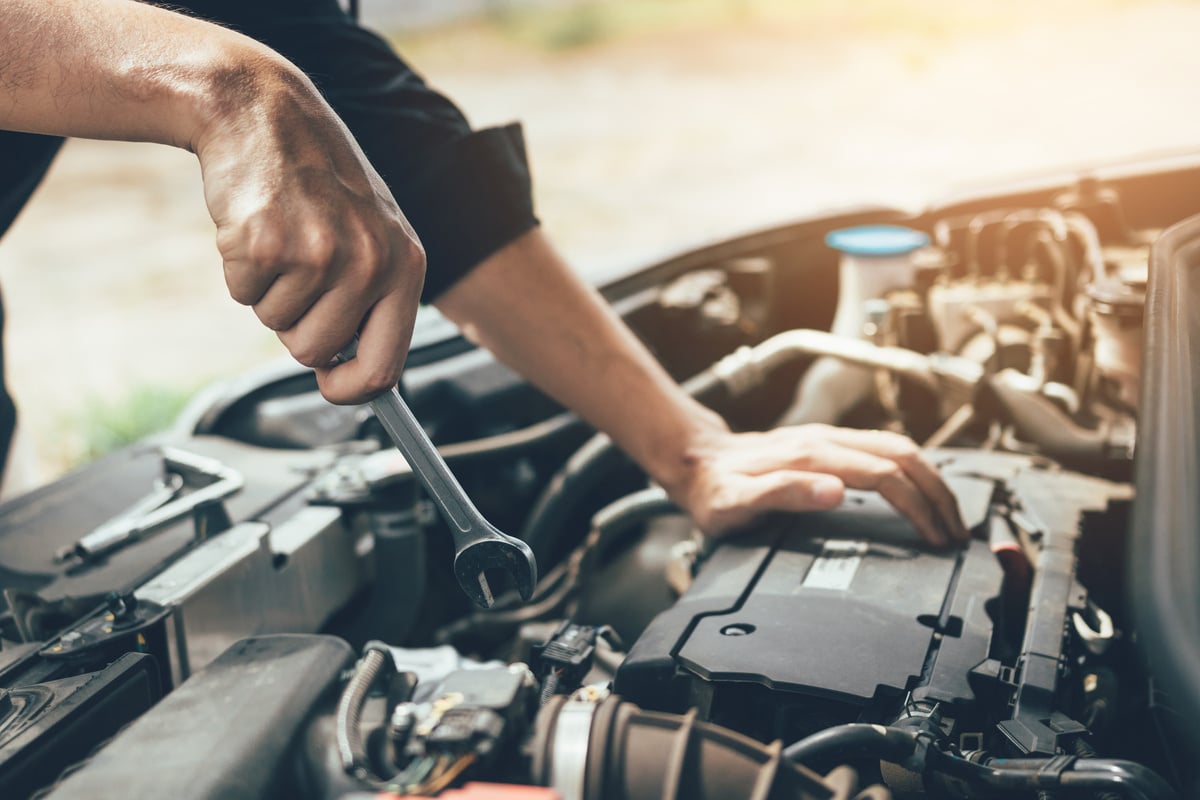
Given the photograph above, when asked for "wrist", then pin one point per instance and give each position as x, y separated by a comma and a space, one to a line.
678, 455
248, 89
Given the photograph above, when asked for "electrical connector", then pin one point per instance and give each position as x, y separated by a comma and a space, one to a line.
565, 658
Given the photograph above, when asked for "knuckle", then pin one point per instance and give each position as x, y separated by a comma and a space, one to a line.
905, 449
321, 247
371, 252
894, 443
241, 294
411, 258
309, 354
381, 379
886, 472
416, 255
803, 452
307, 359
723, 502
341, 398
267, 246
273, 320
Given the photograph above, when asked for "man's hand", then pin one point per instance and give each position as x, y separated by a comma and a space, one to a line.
732, 478
527, 307
311, 237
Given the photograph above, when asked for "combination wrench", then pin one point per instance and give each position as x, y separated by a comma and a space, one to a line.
478, 545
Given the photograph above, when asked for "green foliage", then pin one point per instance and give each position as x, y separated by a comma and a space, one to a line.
576, 25
554, 30
111, 424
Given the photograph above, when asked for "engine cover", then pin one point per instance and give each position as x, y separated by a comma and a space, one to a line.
841, 616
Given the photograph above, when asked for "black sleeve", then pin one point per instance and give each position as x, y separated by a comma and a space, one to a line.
467, 193
24, 159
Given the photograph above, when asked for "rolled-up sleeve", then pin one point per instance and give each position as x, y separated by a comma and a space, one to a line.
466, 192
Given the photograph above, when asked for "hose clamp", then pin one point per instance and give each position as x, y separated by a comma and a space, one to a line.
739, 371
572, 734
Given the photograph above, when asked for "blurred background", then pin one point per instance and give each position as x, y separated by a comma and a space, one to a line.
652, 126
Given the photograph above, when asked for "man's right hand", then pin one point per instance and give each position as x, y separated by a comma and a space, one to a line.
310, 235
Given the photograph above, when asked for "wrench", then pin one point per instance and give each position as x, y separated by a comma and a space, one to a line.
478, 545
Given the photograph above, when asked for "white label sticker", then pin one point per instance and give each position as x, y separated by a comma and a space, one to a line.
836, 566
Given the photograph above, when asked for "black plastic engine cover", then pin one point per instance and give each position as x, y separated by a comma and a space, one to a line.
823, 618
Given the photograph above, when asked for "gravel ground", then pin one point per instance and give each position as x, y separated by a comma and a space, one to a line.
641, 147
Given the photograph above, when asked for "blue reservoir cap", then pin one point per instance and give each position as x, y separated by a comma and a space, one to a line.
876, 240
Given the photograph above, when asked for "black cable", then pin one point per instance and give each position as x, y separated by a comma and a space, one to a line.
561, 583
549, 687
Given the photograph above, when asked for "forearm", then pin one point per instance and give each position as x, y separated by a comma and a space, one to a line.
529, 309
526, 306
118, 69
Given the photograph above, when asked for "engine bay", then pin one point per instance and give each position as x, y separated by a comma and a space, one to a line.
261, 603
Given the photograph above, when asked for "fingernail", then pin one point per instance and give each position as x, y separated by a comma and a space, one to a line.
827, 491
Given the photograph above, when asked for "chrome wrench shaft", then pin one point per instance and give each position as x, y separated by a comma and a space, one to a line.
478, 545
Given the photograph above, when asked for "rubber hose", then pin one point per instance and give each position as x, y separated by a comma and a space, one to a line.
1085, 750
507, 443
1039, 421
608, 522
1129, 780
848, 741
586, 471
633, 754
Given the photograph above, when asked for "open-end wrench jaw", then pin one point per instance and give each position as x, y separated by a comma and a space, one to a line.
473, 561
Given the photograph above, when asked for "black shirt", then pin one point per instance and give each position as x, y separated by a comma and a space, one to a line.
467, 193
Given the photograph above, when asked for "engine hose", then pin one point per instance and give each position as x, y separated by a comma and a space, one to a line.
619, 515
1085, 750
560, 584
614, 750
589, 468
505, 444
1124, 778
850, 741
348, 733
732, 377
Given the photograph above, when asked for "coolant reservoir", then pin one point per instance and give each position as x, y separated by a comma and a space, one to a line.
875, 260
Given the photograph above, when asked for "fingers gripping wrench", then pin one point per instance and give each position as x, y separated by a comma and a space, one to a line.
478, 545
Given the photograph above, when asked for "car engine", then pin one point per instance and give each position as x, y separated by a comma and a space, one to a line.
260, 602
